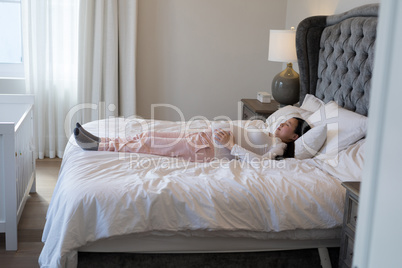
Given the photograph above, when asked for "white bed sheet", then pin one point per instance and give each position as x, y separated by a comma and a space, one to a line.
347, 165
104, 194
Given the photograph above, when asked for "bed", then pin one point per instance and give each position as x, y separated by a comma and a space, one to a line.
119, 202
17, 163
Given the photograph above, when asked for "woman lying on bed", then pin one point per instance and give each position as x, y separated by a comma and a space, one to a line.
197, 146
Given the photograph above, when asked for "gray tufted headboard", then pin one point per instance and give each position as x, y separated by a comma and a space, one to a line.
335, 56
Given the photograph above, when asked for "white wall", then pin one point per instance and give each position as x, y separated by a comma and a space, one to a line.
203, 56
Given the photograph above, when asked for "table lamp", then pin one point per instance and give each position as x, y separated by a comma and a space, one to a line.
286, 84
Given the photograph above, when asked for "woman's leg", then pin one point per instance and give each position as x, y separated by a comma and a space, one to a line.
85, 142
86, 133
162, 134
196, 147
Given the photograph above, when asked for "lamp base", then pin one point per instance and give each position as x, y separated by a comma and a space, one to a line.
286, 86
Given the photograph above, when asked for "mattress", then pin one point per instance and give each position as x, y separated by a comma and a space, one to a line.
106, 195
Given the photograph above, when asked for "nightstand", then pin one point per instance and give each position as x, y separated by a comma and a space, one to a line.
349, 223
254, 109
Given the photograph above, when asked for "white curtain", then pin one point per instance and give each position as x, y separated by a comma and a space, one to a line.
50, 37
107, 51
78, 54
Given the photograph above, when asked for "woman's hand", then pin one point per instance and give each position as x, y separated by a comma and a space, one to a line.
225, 138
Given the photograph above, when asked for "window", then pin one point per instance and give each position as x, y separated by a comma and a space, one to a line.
11, 61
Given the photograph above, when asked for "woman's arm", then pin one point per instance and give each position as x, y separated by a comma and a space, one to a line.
248, 156
226, 138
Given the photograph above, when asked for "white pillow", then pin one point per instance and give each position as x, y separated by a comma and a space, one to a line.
283, 114
312, 103
308, 145
344, 127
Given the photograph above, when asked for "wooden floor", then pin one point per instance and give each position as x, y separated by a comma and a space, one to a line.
32, 221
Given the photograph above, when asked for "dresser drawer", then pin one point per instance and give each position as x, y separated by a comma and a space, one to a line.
255, 110
247, 113
347, 254
352, 208
349, 224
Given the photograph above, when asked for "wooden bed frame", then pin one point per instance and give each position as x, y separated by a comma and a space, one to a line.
329, 48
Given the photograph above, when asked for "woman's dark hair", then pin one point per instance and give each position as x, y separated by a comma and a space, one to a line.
301, 128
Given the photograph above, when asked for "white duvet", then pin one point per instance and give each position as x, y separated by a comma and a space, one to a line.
105, 194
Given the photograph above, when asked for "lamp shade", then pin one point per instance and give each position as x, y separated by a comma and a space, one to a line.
282, 46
